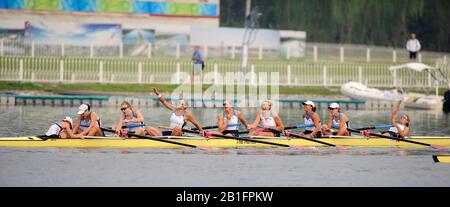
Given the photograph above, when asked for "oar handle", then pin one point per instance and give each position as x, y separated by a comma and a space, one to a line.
383, 126
216, 126
244, 132
208, 127
132, 125
299, 126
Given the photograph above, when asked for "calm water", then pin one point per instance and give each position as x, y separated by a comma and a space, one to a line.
221, 167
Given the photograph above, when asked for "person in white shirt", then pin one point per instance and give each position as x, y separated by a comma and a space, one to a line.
413, 46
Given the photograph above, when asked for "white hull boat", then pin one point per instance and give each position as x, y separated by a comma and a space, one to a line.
356, 90
359, 91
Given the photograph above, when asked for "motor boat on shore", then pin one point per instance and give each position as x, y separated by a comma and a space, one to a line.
356, 90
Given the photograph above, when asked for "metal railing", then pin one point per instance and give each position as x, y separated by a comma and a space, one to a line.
109, 70
315, 52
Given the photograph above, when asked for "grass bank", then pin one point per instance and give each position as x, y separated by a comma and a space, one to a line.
107, 88
6, 86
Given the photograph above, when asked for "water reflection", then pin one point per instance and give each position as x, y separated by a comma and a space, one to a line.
319, 151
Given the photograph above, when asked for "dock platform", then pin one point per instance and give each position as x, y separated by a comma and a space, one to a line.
150, 101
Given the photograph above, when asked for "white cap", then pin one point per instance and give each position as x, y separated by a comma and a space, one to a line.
333, 105
226, 101
82, 108
68, 119
309, 103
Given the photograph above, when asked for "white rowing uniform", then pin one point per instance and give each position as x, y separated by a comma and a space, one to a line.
395, 130
233, 124
55, 129
177, 120
307, 119
267, 120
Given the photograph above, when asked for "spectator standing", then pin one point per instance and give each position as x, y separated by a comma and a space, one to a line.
199, 63
413, 46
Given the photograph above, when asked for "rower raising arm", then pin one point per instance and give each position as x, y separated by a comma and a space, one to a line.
402, 127
163, 101
178, 110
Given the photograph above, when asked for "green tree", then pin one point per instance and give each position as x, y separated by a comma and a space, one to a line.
372, 22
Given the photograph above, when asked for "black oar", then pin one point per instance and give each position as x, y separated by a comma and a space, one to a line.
216, 126
207, 127
156, 139
286, 128
244, 139
375, 127
312, 140
299, 126
400, 139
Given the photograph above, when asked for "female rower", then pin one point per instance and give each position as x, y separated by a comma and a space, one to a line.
311, 118
62, 130
130, 119
88, 122
229, 120
337, 122
178, 118
400, 129
270, 120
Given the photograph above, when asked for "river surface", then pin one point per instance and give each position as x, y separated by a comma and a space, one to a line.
221, 167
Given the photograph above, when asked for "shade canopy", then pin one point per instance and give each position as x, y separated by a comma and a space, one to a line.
412, 66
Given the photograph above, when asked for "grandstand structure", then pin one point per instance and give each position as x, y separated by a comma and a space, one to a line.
100, 28
128, 13
131, 28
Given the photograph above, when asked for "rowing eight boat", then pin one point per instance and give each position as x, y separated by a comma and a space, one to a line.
111, 142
